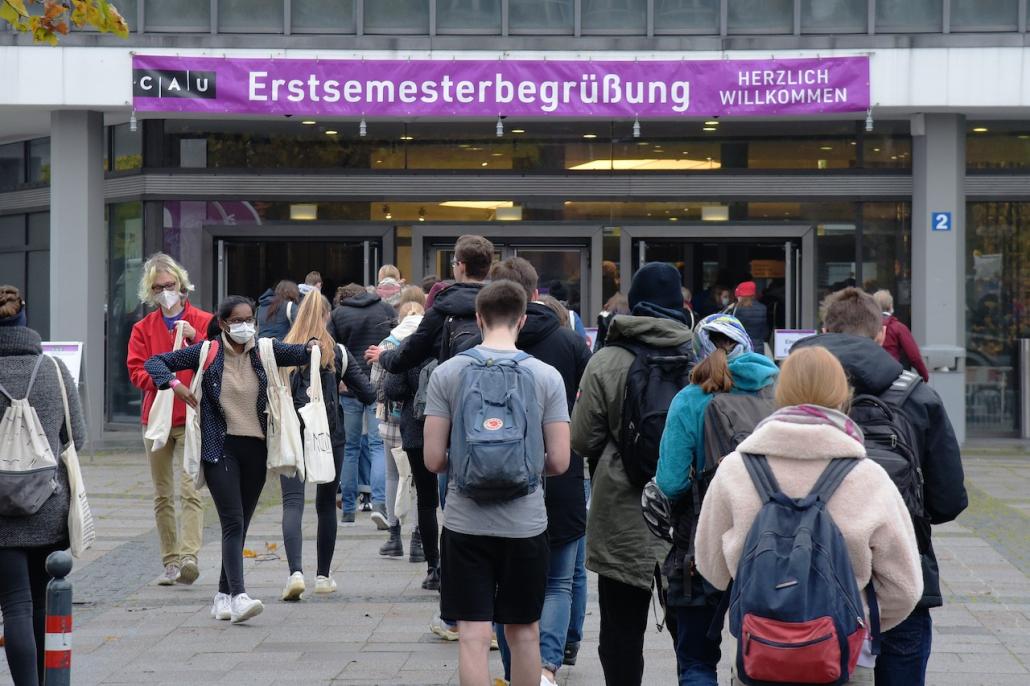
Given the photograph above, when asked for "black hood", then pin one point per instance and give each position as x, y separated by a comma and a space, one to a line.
266, 298
361, 300
541, 322
458, 300
870, 368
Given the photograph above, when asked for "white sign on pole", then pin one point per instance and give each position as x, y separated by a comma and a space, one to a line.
784, 340
69, 352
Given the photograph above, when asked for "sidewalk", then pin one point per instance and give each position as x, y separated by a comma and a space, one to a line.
374, 630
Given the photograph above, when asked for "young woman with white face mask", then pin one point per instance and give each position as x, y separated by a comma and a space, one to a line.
233, 425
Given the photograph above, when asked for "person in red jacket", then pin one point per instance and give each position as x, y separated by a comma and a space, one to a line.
165, 285
897, 339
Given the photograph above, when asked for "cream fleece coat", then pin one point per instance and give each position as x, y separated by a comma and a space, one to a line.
867, 509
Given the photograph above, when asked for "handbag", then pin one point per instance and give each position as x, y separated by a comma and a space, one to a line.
402, 503
191, 459
159, 421
285, 446
318, 444
81, 530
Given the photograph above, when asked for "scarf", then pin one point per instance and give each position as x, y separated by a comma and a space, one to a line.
816, 415
647, 309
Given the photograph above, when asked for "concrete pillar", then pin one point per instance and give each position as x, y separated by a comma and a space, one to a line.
78, 252
939, 257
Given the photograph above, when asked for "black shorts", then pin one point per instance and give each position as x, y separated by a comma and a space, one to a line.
493, 579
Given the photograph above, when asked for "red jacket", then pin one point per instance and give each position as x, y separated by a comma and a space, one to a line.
151, 337
899, 342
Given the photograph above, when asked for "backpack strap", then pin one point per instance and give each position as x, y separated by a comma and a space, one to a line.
346, 359
832, 477
474, 354
761, 475
212, 353
874, 617
901, 388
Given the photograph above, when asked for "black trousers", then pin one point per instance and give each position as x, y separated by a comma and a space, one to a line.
428, 496
325, 509
236, 482
624, 613
23, 580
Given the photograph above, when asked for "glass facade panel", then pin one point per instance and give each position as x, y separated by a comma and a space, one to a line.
12, 164
998, 145
887, 253
997, 298
12, 231
39, 160
834, 16
628, 17
128, 147
397, 16
760, 16
909, 16
39, 230
125, 262
250, 16
38, 277
984, 15
177, 15
468, 16
543, 16
318, 16
686, 16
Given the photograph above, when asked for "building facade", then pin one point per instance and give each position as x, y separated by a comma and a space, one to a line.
924, 189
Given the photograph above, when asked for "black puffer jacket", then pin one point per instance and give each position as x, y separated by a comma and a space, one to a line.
546, 339
401, 388
362, 321
457, 300
871, 370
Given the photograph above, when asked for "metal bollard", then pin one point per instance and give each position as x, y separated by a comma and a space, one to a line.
58, 659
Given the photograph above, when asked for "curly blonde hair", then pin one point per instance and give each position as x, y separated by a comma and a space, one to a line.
155, 264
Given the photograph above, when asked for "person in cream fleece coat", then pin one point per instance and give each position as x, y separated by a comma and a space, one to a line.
799, 440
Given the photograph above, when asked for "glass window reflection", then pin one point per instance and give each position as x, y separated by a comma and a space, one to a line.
541, 16
468, 16
614, 16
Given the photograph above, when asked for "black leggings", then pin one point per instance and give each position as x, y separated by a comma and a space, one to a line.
293, 516
235, 483
428, 495
23, 580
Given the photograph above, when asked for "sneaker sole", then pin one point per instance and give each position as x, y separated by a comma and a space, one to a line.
251, 613
416, 560
325, 591
293, 592
221, 617
165, 581
444, 633
379, 519
392, 553
188, 574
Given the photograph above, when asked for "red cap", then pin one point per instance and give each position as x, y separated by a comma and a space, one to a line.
746, 290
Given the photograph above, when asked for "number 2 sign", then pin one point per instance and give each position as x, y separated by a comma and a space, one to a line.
940, 221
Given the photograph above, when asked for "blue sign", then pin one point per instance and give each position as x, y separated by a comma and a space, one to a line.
940, 221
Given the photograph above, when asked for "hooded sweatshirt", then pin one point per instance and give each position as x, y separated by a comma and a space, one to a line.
456, 300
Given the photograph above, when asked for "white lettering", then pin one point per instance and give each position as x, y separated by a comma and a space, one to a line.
296, 88
174, 85
527, 91
429, 92
681, 96
254, 86
332, 90
380, 91
276, 84
549, 95
504, 89
352, 91
145, 82
407, 90
463, 91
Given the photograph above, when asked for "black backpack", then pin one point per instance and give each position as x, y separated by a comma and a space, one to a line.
654, 379
890, 438
456, 335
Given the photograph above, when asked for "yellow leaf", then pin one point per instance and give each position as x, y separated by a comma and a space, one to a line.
247, 552
9, 14
271, 547
18, 6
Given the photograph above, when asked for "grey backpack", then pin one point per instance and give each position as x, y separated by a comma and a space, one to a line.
497, 441
28, 469
418, 409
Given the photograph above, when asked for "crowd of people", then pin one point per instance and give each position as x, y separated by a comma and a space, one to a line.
674, 460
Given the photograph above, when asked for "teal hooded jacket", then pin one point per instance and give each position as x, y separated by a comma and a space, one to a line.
683, 442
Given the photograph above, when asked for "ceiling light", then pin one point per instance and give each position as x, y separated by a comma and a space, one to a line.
711, 123
674, 219
876, 150
589, 135
715, 213
709, 128
331, 132
483, 164
518, 130
303, 212
406, 137
636, 127
309, 122
1023, 136
497, 154
645, 164
500, 127
421, 214
362, 128
980, 129
869, 119
478, 204
826, 147
132, 121
386, 212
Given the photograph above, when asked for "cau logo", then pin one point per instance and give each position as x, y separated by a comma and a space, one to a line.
170, 83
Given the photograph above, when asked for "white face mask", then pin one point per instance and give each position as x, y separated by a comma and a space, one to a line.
241, 333
725, 300
168, 299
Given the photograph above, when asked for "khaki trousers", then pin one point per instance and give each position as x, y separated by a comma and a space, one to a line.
178, 539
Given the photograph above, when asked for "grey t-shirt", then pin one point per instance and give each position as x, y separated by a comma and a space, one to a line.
519, 518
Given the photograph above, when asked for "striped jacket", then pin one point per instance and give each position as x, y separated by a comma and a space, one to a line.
162, 370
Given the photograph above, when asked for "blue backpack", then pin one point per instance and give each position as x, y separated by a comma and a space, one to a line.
497, 442
795, 607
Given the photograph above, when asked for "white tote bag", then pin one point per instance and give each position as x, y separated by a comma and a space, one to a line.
318, 444
402, 504
159, 421
283, 439
81, 531
191, 461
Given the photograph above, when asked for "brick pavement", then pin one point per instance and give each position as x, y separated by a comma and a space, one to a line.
374, 630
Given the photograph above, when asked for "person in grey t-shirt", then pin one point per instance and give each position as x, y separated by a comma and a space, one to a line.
494, 556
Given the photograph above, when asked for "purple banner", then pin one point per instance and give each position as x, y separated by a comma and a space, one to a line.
488, 88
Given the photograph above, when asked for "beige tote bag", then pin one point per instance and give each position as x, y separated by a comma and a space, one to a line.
159, 421
81, 531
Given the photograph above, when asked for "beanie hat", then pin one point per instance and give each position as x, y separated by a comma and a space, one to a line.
728, 326
748, 289
657, 283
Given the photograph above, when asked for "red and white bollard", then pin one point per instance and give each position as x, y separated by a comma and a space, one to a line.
58, 658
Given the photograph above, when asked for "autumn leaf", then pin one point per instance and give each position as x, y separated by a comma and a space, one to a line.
248, 553
18, 6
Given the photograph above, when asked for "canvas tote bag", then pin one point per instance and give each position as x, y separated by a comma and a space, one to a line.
285, 447
28, 468
191, 461
159, 421
318, 444
81, 531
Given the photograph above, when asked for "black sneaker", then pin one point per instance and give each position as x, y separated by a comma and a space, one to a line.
432, 580
365, 502
571, 651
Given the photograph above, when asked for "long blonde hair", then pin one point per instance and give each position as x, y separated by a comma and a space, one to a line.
813, 376
155, 264
310, 323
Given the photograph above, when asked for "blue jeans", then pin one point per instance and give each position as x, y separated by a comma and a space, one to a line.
905, 650
353, 413
697, 657
579, 595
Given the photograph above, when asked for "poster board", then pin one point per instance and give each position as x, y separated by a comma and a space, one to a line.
69, 352
784, 340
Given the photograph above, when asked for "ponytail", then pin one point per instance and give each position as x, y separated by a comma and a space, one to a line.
712, 374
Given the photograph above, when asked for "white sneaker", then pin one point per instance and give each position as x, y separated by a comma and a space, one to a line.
544, 681
221, 608
325, 584
444, 630
243, 607
294, 587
